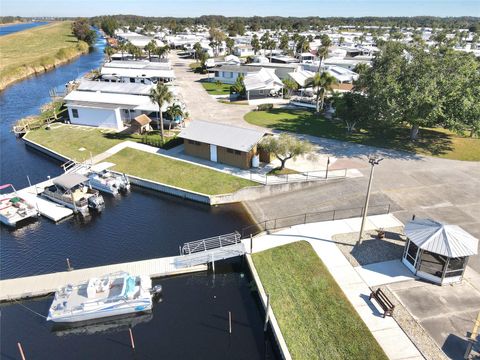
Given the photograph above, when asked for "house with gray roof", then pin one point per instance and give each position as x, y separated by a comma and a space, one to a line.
228, 74
225, 144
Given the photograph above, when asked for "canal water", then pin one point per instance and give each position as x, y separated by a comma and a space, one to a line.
9, 29
191, 322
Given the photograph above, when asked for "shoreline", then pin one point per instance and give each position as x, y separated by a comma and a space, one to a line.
31, 71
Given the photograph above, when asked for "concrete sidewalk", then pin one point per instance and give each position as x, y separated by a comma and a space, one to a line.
386, 331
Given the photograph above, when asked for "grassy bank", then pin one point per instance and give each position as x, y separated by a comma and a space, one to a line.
432, 142
316, 319
176, 173
37, 50
77, 142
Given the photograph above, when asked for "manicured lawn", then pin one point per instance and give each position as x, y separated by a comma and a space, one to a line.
214, 89
432, 142
176, 173
36, 48
68, 140
316, 319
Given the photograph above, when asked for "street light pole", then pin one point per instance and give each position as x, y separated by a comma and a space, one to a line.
373, 161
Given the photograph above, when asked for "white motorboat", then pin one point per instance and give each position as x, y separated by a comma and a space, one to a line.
112, 295
107, 181
74, 191
13, 208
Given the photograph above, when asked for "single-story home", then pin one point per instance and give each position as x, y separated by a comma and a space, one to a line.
281, 70
146, 75
114, 87
301, 77
225, 144
243, 50
228, 74
262, 84
108, 110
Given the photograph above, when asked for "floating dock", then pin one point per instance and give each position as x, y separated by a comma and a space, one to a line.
33, 286
49, 209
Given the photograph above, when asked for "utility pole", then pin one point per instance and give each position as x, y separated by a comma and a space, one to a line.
373, 161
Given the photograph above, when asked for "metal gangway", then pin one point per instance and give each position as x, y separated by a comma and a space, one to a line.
210, 250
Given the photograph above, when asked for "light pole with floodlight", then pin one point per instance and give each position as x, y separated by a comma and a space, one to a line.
373, 161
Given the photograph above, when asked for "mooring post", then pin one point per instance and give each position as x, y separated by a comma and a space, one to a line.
229, 322
267, 313
132, 342
251, 244
413, 217
213, 265
21, 351
69, 268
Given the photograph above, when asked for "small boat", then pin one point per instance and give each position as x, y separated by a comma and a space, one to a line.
111, 295
13, 208
107, 181
74, 191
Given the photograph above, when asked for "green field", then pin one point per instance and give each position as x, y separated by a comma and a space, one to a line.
176, 173
432, 142
214, 89
77, 142
35, 50
316, 319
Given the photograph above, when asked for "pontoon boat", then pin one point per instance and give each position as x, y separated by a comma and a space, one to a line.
107, 181
13, 208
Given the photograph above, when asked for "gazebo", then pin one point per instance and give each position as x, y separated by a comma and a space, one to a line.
437, 252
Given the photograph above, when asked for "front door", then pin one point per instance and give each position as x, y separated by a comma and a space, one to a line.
213, 153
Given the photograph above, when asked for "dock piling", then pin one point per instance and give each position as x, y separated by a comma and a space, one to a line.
267, 314
20, 349
229, 322
251, 244
132, 342
69, 268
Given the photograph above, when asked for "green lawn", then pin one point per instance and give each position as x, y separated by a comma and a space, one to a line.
28, 51
432, 142
214, 89
69, 140
316, 319
177, 173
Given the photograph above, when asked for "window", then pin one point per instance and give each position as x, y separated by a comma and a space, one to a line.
237, 152
132, 80
230, 151
193, 142
217, 74
75, 113
125, 111
260, 92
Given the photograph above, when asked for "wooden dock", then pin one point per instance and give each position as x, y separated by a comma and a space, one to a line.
49, 209
33, 286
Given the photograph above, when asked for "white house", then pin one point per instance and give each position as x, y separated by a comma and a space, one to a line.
243, 50
107, 110
262, 84
228, 74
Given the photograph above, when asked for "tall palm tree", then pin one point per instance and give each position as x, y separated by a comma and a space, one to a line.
322, 82
150, 49
174, 110
109, 51
160, 95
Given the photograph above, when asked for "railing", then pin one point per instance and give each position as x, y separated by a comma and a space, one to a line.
298, 177
307, 218
210, 243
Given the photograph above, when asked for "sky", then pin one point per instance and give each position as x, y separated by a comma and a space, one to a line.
193, 8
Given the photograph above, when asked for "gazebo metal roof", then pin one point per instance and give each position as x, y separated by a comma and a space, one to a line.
448, 240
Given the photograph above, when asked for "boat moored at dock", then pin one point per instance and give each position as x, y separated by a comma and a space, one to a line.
74, 191
106, 181
112, 295
14, 208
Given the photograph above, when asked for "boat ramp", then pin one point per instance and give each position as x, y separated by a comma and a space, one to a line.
196, 259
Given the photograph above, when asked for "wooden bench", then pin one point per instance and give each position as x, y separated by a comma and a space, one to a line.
383, 301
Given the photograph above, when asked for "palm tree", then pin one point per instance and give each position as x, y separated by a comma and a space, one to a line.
174, 111
123, 47
322, 82
160, 95
322, 54
150, 48
162, 51
109, 51
290, 86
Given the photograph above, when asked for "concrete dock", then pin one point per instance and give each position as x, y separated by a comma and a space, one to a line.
49, 209
32, 286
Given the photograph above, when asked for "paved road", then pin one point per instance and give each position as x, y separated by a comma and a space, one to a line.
445, 190
200, 104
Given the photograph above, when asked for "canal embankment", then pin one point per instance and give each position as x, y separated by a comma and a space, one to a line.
37, 50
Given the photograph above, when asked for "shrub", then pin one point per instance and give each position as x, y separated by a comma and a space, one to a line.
264, 107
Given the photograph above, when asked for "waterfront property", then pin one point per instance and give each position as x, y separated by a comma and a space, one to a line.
224, 144
316, 319
143, 72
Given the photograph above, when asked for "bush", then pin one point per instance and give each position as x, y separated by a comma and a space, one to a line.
264, 107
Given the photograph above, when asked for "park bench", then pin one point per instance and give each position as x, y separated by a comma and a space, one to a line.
383, 301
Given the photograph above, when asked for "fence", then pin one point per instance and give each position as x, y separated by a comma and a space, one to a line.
307, 218
298, 177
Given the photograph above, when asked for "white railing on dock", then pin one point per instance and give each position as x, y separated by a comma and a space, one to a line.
210, 243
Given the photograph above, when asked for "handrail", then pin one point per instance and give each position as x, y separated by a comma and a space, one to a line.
210, 243
306, 218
